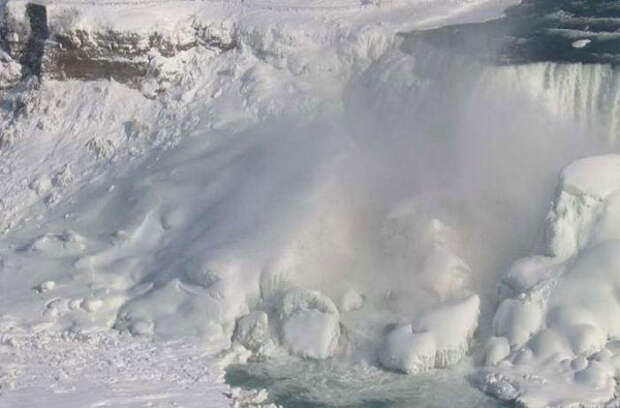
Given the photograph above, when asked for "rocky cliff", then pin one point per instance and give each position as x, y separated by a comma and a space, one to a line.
38, 39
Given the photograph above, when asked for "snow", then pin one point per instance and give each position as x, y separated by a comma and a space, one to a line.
594, 176
252, 330
310, 323
407, 351
350, 301
496, 350
257, 203
310, 333
73, 370
560, 325
439, 338
585, 186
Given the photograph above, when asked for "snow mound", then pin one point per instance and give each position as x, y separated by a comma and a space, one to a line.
561, 318
409, 352
438, 339
584, 187
310, 323
252, 330
158, 313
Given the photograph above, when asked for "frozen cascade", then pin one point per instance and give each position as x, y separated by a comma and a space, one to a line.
307, 196
586, 94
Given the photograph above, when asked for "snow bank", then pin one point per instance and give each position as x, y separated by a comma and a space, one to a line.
562, 321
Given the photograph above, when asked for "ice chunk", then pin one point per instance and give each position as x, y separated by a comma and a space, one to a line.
453, 326
439, 338
409, 352
311, 333
496, 350
310, 323
517, 320
252, 330
581, 43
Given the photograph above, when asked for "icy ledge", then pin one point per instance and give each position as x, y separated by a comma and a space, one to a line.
557, 331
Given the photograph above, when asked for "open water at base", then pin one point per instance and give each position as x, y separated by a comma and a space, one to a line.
296, 383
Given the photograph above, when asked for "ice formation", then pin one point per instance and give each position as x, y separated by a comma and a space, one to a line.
310, 323
301, 179
561, 317
439, 338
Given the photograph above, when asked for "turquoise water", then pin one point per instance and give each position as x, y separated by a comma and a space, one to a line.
295, 383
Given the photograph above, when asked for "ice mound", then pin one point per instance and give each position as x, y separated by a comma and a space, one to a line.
438, 339
560, 317
406, 351
157, 313
584, 188
425, 244
435, 292
252, 330
310, 323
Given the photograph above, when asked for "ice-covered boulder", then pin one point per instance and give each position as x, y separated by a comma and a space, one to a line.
252, 330
562, 310
406, 351
310, 323
453, 325
437, 339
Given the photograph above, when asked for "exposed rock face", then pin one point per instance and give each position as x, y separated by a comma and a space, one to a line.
119, 55
64, 50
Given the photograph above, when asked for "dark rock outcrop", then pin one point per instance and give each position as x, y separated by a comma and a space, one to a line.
64, 53
535, 31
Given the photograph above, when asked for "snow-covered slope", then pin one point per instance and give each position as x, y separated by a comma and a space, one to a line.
320, 186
